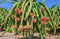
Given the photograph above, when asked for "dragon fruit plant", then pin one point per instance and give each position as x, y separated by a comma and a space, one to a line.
29, 16
3, 14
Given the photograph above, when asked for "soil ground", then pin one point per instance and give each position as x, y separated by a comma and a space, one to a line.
12, 36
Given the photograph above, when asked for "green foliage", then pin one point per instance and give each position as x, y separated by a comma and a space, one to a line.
31, 13
3, 14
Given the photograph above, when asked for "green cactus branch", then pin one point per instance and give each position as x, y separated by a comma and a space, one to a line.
11, 11
36, 16
47, 10
1, 16
29, 10
23, 13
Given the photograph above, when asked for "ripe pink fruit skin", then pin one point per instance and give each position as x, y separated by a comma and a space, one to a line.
25, 27
43, 18
16, 9
14, 26
42, 22
21, 28
12, 16
31, 14
47, 19
33, 20
18, 19
30, 27
20, 12
25, 31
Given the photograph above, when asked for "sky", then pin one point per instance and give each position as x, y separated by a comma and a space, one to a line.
48, 3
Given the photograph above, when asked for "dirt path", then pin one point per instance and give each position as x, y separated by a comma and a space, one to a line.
7, 38
11, 36
29, 38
